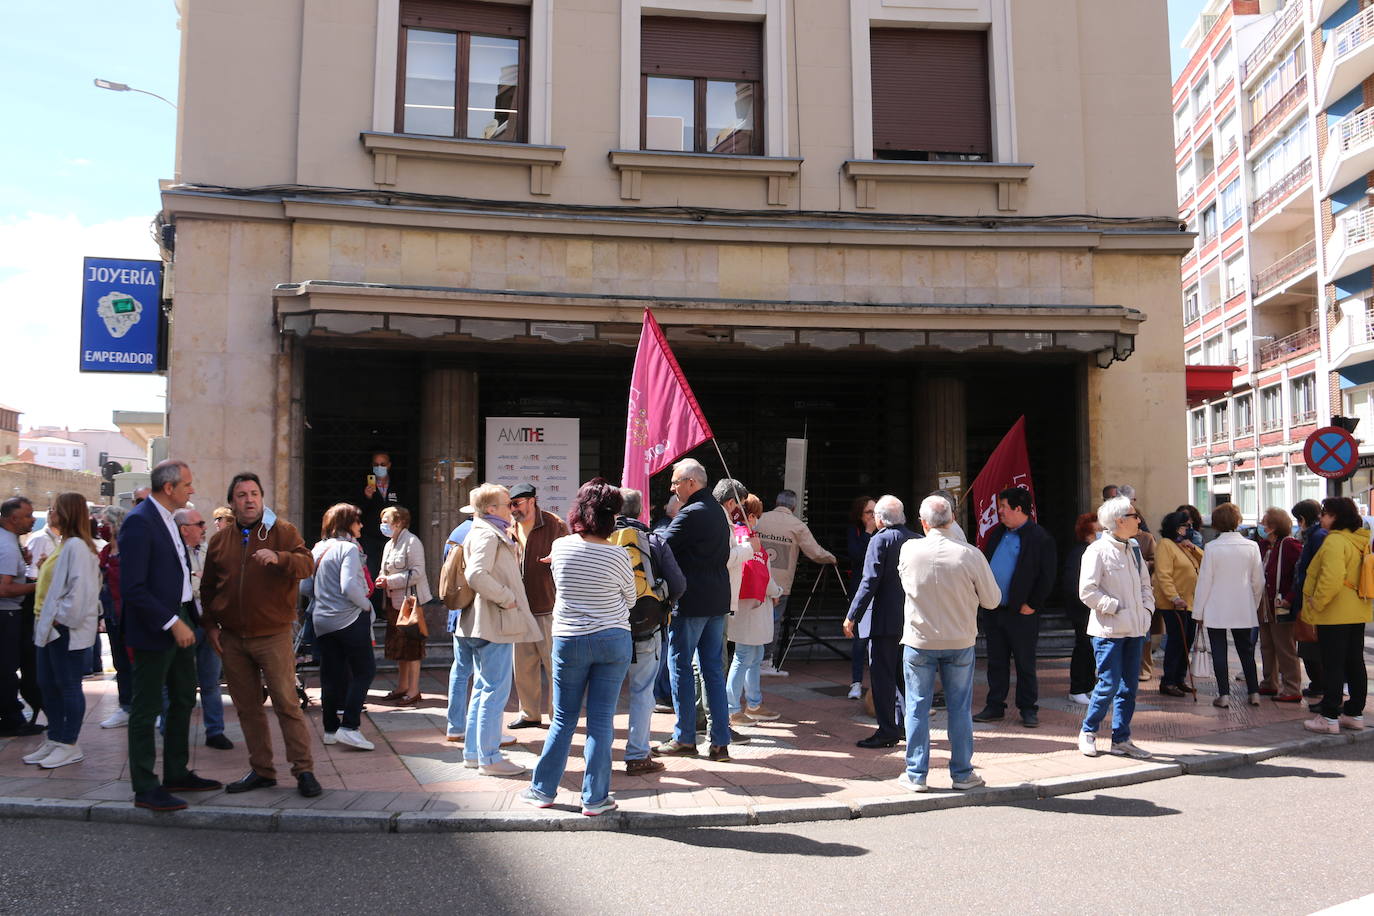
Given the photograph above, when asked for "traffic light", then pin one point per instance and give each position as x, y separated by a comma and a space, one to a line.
1346, 423
108, 468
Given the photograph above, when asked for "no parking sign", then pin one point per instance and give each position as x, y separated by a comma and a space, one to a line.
1331, 452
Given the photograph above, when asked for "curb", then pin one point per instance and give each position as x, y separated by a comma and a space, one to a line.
567, 817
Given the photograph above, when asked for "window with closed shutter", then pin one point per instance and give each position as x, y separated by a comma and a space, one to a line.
702, 82
930, 94
462, 69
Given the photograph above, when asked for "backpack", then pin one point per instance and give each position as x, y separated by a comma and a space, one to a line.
454, 590
753, 583
651, 609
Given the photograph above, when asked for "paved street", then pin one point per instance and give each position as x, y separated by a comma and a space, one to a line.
1280, 837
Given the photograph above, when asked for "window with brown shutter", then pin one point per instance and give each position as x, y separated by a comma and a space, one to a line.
462, 69
701, 85
930, 94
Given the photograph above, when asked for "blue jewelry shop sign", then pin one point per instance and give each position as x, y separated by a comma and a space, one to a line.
121, 306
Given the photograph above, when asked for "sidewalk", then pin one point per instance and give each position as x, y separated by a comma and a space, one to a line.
803, 767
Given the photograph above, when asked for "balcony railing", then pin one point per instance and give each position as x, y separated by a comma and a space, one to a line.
1291, 13
1354, 131
1282, 109
1279, 191
1355, 229
1353, 33
1287, 347
1291, 264
1219, 435
1305, 416
1269, 424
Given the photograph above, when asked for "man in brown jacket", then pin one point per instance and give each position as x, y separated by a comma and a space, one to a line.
248, 599
535, 530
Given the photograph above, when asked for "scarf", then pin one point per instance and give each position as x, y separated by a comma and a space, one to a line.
499, 523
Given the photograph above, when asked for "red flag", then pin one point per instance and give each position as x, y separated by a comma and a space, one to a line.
665, 421
1008, 466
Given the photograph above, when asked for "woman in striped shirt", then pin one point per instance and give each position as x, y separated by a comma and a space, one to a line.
591, 646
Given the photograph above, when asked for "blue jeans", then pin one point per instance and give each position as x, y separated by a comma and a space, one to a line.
1118, 664
955, 667
464, 659
705, 638
491, 676
591, 666
744, 677
59, 678
642, 676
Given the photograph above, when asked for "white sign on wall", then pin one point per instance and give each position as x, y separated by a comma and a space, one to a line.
540, 451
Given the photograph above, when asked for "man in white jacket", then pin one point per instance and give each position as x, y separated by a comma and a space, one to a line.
1114, 583
946, 581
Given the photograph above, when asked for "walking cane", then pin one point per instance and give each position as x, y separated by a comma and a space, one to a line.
802, 616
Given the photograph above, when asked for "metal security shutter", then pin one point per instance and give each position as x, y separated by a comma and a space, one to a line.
930, 91
467, 16
707, 48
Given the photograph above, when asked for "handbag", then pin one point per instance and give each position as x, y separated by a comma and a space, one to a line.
1304, 631
410, 619
1200, 663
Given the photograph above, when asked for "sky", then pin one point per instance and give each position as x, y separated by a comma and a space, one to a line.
83, 181
1182, 15
80, 178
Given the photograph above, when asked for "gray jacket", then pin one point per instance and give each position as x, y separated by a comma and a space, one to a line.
337, 591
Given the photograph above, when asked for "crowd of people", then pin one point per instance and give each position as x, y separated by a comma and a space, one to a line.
601, 599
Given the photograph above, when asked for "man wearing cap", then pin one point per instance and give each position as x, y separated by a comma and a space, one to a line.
535, 530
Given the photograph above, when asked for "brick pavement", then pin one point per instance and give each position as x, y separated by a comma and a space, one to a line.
808, 757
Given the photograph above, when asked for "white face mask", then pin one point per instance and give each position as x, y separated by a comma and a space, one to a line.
379, 471
386, 530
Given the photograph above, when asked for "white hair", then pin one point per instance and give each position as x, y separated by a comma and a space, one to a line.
889, 512
936, 511
1126, 490
1110, 513
690, 467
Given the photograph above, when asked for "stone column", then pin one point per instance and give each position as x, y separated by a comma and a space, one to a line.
941, 439
288, 445
448, 446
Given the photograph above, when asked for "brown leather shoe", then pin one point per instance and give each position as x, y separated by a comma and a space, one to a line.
720, 753
643, 766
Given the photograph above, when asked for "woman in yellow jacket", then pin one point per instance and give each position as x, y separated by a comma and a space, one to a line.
1331, 603
1177, 560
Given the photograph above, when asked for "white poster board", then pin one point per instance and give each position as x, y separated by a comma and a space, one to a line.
541, 451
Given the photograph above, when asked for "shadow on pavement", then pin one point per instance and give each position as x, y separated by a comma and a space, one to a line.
784, 844
1273, 771
1100, 806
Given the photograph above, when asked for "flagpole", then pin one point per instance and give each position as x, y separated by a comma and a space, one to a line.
739, 498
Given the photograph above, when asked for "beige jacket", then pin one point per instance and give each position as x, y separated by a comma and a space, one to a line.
500, 612
1116, 588
783, 536
403, 564
945, 581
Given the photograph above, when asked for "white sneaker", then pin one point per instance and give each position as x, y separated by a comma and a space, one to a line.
42, 751
1087, 744
117, 719
470, 763
1128, 749
1352, 723
973, 782
911, 785
502, 767
354, 738
331, 738
767, 670
62, 755
1082, 699
509, 740
602, 807
856, 691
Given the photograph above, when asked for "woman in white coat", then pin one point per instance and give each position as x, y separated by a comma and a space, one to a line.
403, 568
68, 602
1230, 584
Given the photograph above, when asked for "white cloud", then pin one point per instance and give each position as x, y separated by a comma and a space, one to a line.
40, 293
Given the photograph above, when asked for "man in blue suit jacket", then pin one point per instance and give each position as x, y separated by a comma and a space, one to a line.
155, 585
881, 596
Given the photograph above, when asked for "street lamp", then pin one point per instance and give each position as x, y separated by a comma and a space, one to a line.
125, 87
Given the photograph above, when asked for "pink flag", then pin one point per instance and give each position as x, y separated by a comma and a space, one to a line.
665, 421
1007, 467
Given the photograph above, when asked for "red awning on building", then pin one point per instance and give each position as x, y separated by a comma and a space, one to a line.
1207, 382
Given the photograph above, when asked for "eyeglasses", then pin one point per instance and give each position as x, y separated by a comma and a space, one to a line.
1131, 515
677, 483
200, 524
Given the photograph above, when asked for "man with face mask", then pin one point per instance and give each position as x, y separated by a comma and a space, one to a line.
248, 598
379, 493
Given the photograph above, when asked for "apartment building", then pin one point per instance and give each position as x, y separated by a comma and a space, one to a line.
860, 221
1275, 147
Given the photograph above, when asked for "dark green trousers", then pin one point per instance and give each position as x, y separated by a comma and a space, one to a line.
153, 669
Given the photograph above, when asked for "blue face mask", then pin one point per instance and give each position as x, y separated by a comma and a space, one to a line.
385, 529
1263, 531
269, 518
379, 471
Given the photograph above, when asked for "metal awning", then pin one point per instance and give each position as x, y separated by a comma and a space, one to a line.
1206, 382
337, 309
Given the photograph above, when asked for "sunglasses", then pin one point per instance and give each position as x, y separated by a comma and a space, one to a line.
200, 524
